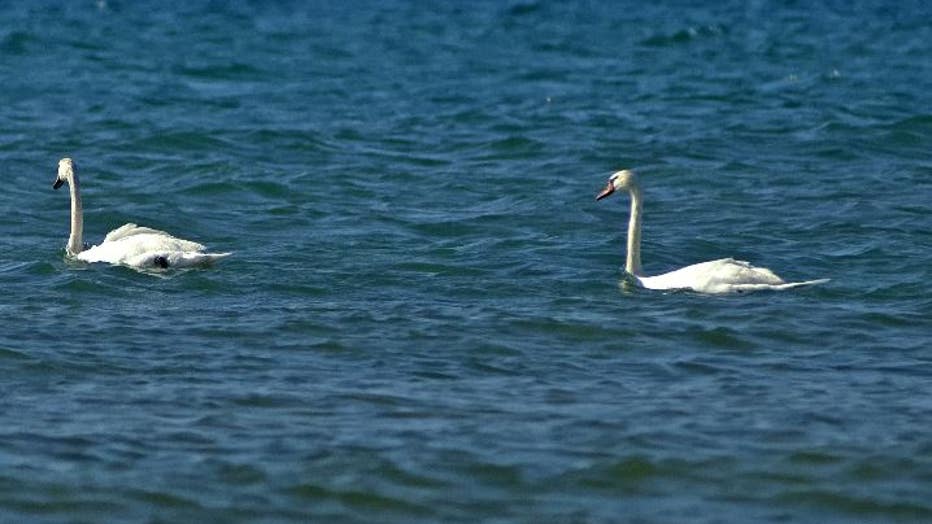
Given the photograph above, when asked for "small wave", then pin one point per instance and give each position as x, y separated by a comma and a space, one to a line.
515, 146
358, 499
182, 141
862, 506
232, 71
525, 8
12, 354
684, 35
17, 43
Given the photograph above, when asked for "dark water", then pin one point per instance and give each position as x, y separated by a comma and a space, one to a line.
423, 319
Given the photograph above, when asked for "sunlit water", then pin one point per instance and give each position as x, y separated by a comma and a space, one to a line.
425, 317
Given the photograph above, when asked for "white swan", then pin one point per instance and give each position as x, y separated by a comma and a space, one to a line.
129, 245
725, 275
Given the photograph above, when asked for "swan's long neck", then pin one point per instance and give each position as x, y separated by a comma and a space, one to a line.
633, 265
76, 240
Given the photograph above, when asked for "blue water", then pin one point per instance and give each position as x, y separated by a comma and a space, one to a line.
425, 316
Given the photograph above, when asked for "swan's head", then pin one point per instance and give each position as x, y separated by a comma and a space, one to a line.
624, 179
65, 173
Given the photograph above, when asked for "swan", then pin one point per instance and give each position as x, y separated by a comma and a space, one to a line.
129, 244
725, 275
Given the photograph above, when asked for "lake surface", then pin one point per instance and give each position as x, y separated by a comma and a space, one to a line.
425, 318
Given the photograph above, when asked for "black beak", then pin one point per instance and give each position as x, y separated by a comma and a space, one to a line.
57, 184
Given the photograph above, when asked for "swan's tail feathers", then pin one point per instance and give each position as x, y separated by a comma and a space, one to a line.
791, 285
741, 288
194, 259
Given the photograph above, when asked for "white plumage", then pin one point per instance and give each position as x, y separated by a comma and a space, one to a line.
725, 275
130, 244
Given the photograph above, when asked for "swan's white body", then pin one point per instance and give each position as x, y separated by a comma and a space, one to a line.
725, 275
128, 245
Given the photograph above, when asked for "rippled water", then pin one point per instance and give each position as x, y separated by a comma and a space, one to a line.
425, 317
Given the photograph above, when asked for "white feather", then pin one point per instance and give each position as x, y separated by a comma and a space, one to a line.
725, 275
130, 244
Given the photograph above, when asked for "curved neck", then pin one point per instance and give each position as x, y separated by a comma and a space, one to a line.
76, 241
633, 265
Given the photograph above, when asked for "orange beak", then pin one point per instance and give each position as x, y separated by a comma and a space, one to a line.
609, 189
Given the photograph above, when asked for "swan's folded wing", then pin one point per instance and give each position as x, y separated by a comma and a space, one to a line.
139, 239
130, 229
195, 259
731, 271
